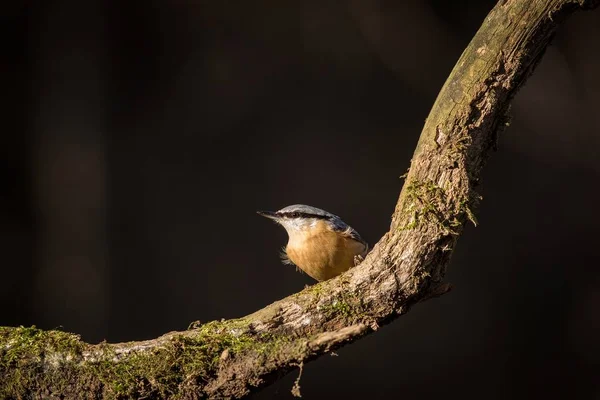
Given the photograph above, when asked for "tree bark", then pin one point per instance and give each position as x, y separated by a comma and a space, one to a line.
232, 358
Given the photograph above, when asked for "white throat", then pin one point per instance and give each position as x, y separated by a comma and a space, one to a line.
295, 226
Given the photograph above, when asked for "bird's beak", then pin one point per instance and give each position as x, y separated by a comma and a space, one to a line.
268, 214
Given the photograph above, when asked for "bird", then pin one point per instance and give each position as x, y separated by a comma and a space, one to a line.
319, 242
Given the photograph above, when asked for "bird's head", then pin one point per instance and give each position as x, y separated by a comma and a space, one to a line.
299, 217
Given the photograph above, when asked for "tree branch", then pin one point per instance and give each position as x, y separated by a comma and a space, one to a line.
234, 357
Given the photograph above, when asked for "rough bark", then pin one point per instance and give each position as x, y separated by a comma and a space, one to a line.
235, 357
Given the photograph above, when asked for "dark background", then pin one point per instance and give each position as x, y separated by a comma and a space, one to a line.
138, 139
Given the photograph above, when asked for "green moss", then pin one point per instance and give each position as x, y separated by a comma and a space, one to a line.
427, 203
339, 307
25, 342
424, 204
193, 357
27, 356
314, 290
347, 306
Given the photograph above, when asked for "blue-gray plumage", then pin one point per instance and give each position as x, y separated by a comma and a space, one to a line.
320, 243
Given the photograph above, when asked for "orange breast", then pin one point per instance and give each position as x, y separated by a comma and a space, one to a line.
323, 253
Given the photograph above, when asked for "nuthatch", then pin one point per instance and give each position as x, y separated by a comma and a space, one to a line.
320, 243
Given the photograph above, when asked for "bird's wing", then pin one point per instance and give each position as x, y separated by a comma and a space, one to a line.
350, 233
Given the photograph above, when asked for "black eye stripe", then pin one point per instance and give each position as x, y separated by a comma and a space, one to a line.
297, 214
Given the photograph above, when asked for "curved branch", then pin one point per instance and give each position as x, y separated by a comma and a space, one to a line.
234, 357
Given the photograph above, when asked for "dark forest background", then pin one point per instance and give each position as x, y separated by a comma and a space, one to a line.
139, 138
